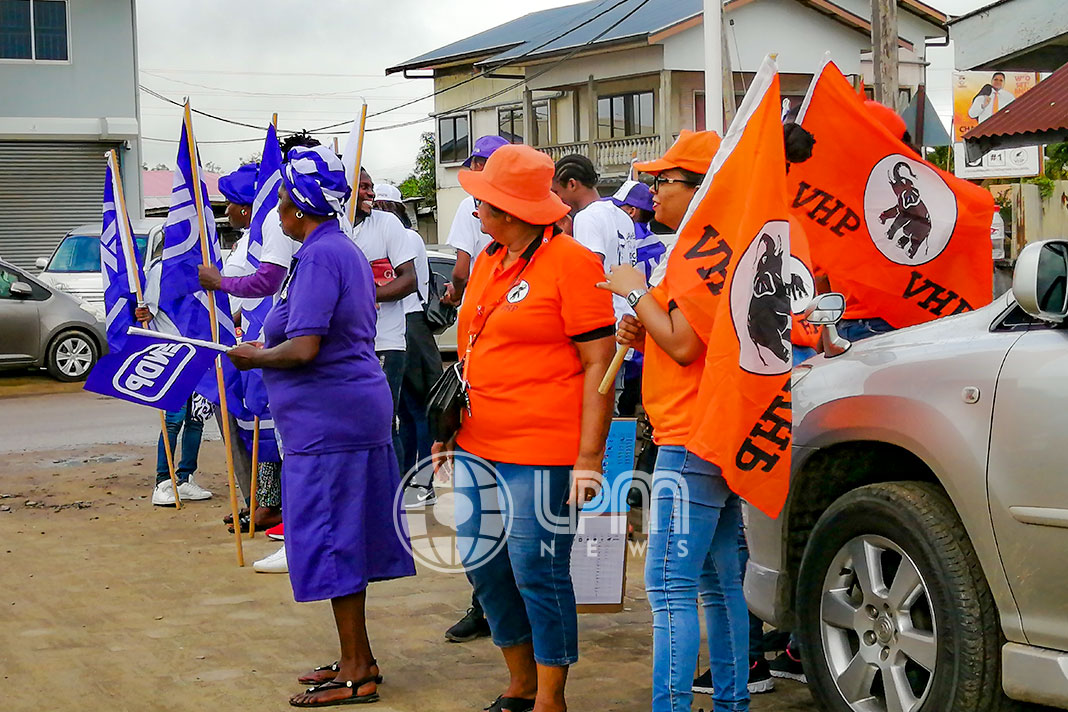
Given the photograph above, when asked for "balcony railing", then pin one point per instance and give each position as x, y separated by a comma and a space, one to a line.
610, 156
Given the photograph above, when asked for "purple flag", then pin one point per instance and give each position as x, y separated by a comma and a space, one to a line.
151, 371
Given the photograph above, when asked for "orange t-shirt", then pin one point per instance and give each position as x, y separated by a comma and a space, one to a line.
526, 379
669, 391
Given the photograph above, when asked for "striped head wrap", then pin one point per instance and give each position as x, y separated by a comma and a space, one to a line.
315, 179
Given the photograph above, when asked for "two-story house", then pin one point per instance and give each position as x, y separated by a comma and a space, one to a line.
68, 78
617, 81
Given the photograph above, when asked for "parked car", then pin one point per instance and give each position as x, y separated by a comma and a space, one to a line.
41, 326
920, 556
74, 266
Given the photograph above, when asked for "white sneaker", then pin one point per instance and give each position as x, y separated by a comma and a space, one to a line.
163, 494
274, 564
193, 492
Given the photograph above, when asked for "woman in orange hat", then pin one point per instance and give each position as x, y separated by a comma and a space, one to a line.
538, 336
695, 518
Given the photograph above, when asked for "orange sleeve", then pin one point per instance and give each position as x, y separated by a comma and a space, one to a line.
583, 306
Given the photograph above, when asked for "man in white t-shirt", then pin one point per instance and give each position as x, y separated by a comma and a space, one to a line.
385, 243
598, 224
992, 98
466, 232
423, 364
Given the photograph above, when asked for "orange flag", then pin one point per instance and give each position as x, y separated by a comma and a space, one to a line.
803, 288
730, 275
903, 240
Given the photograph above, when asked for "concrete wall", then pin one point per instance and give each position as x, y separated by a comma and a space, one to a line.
91, 96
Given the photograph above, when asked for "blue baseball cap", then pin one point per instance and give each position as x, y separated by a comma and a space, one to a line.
484, 148
635, 194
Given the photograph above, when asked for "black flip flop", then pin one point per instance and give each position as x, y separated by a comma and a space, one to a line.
333, 667
353, 699
511, 704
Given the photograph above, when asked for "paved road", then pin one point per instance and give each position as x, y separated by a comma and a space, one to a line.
75, 420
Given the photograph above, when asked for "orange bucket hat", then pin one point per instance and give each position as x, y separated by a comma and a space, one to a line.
518, 180
692, 151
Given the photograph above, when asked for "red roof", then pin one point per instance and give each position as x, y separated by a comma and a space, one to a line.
1042, 109
157, 187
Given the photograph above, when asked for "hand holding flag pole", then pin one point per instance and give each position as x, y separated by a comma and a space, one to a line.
205, 252
125, 234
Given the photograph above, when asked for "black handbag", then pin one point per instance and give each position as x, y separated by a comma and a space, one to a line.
446, 402
439, 315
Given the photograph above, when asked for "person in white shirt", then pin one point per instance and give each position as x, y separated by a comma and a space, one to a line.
598, 224
466, 234
385, 243
992, 98
423, 364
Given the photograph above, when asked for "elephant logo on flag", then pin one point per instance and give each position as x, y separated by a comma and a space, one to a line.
761, 294
910, 211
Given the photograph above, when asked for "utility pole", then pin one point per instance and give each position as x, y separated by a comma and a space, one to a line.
884, 51
730, 107
713, 27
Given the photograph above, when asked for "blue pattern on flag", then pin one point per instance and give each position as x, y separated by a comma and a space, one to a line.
123, 273
151, 371
181, 296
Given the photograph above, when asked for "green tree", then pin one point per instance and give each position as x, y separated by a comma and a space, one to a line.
422, 181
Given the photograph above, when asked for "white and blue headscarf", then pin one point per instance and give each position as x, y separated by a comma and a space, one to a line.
315, 179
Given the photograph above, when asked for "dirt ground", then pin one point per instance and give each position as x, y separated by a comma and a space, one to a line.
109, 603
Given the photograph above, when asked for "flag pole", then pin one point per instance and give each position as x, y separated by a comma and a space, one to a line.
224, 414
255, 474
127, 249
621, 350
354, 200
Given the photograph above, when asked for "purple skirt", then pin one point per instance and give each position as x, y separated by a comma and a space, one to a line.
339, 510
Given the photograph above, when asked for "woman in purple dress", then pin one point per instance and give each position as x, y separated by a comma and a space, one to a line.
333, 410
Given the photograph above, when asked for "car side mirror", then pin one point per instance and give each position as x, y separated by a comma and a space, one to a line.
41, 263
21, 289
826, 309
1040, 283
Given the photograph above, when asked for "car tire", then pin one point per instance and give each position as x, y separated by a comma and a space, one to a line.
71, 356
918, 613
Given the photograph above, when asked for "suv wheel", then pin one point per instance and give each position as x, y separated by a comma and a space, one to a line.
894, 612
71, 356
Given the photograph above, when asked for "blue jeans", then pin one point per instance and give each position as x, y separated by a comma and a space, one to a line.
393, 363
525, 585
860, 329
693, 545
192, 430
802, 354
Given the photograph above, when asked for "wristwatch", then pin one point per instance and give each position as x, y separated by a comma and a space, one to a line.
635, 296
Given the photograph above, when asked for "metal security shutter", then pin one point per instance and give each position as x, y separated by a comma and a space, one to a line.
46, 189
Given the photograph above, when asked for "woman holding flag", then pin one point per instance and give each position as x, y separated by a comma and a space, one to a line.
686, 488
339, 472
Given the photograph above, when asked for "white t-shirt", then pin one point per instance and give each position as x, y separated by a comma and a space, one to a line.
278, 248
605, 229
414, 301
160, 321
384, 240
466, 231
237, 265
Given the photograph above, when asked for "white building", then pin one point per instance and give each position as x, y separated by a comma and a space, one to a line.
68, 78
616, 86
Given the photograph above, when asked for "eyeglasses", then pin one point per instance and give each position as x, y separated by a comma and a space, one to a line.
659, 180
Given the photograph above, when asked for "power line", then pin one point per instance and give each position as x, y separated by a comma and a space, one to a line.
352, 92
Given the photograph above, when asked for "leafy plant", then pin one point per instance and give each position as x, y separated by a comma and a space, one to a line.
422, 181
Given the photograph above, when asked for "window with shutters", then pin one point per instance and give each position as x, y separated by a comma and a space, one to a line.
34, 30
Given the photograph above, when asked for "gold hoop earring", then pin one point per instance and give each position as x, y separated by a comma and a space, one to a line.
299, 215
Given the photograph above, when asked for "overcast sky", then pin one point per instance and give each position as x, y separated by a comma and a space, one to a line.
244, 59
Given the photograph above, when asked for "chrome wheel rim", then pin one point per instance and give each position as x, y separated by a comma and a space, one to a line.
74, 355
878, 629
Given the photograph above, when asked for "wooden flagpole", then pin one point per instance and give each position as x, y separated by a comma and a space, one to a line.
255, 474
354, 198
127, 248
224, 415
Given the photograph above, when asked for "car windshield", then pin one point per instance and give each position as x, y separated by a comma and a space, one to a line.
81, 253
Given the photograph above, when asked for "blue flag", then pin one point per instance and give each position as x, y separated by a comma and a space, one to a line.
268, 178
181, 296
151, 371
268, 451
120, 264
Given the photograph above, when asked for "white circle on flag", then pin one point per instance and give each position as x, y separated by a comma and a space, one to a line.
801, 287
910, 211
760, 302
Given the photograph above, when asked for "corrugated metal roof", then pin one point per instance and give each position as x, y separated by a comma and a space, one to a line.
519, 36
1042, 109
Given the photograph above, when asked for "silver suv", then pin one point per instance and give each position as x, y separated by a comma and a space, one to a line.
922, 555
